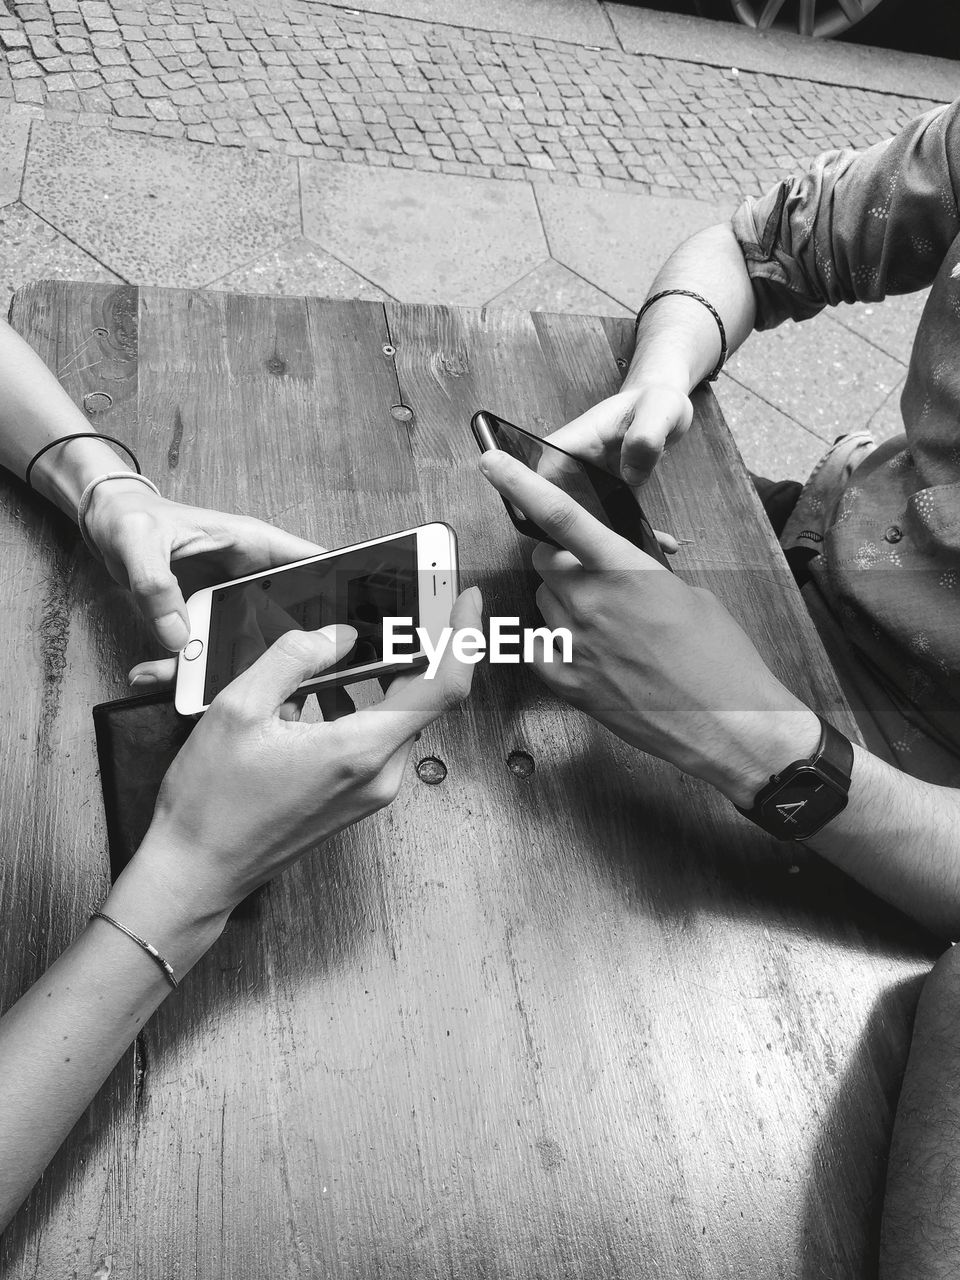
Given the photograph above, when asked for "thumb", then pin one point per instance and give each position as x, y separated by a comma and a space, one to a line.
158, 593
661, 416
297, 656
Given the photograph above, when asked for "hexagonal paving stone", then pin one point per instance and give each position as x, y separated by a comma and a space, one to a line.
817, 372
890, 325
771, 444
619, 241
31, 250
14, 132
424, 237
167, 212
299, 267
554, 287
887, 422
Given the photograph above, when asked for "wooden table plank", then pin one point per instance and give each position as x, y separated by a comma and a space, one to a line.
572, 1022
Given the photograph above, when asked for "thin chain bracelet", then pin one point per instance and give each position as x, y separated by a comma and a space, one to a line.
148, 947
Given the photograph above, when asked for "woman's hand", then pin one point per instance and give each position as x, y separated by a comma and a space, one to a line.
627, 433
251, 790
163, 551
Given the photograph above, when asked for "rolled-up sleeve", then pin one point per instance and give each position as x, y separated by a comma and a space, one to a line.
857, 225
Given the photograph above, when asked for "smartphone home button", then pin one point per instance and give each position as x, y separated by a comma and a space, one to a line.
192, 649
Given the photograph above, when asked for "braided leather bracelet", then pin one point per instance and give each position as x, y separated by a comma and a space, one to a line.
689, 293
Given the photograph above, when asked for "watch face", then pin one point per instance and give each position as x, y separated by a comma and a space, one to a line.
802, 804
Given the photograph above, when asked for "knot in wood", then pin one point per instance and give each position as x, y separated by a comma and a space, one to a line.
277, 366
431, 771
520, 763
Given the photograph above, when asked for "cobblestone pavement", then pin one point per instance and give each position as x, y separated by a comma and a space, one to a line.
310, 79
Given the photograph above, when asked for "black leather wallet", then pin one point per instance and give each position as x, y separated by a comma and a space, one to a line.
137, 739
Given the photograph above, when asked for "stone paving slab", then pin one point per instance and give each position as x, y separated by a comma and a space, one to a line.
573, 21
424, 237
728, 44
554, 287
14, 133
887, 422
314, 79
890, 325
30, 249
169, 213
300, 267
772, 444
617, 240
819, 373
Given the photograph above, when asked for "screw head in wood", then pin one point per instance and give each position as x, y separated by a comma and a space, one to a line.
402, 412
97, 401
431, 771
521, 763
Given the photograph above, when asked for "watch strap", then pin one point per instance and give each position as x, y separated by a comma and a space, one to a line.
834, 755
833, 762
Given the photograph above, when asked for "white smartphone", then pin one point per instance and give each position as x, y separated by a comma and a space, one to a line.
412, 574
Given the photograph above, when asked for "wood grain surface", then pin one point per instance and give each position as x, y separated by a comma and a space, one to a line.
563, 1015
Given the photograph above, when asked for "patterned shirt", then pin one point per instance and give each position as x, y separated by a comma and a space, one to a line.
857, 226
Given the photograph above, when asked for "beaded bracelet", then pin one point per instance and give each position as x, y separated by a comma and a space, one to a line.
689, 293
87, 495
142, 943
77, 435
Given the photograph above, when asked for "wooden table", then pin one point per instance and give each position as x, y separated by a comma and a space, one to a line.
564, 1014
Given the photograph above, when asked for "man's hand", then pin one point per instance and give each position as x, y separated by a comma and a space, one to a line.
660, 663
164, 551
627, 433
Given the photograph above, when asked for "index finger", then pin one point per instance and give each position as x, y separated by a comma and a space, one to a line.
410, 704
555, 512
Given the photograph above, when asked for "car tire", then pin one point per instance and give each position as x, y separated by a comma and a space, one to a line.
829, 17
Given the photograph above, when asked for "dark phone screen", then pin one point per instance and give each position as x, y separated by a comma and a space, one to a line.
605, 496
360, 587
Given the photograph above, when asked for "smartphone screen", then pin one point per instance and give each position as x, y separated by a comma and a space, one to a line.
360, 587
606, 497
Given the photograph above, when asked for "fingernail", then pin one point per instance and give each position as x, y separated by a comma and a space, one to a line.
142, 678
476, 599
632, 475
172, 630
341, 633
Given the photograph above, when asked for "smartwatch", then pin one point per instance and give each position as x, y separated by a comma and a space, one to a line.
800, 800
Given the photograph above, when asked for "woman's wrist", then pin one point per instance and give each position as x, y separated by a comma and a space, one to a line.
152, 900
63, 473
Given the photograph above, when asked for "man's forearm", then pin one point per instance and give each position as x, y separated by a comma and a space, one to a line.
897, 835
678, 341
920, 1239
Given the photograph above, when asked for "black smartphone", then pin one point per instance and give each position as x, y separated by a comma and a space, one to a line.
605, 496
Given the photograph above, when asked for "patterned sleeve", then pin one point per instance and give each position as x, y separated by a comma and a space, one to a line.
858, 225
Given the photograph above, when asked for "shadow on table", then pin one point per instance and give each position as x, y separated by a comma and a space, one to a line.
845, 1191
700, 856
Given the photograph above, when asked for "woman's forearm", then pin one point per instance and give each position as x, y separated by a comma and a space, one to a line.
60, 1041
35, 409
